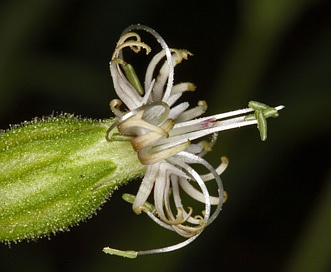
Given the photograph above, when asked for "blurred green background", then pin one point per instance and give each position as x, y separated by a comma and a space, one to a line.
54, 57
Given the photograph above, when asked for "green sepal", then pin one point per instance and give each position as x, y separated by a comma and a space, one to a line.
57, 171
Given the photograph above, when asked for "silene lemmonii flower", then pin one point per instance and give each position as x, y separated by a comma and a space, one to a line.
165, 134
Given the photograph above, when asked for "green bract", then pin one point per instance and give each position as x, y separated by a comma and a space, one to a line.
57, 171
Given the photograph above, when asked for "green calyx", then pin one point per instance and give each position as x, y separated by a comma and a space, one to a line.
57, 171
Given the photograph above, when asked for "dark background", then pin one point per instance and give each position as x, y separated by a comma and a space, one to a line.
54, 57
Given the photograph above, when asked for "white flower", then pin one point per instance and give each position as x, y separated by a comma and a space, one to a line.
162, 133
